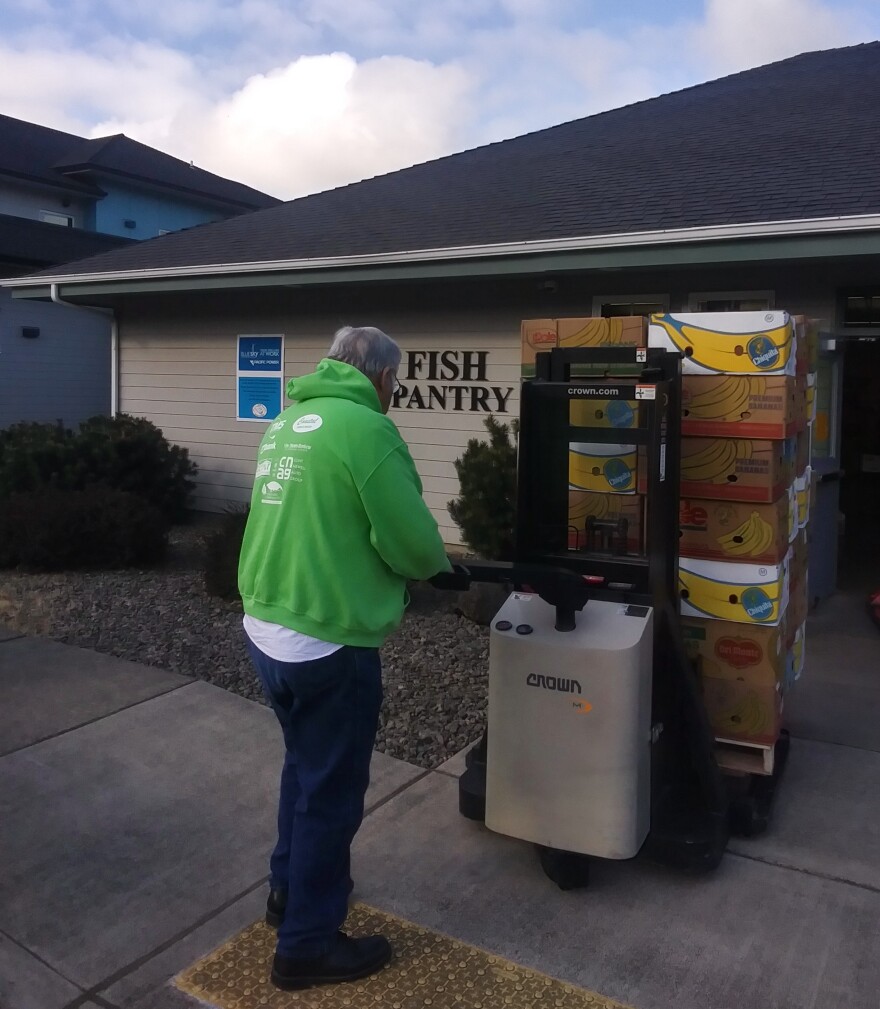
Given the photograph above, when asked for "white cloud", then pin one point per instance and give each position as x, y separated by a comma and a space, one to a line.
749, 33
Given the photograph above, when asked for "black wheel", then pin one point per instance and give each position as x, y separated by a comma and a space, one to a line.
568, 870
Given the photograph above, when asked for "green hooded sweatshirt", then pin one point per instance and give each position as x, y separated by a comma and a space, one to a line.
337, 522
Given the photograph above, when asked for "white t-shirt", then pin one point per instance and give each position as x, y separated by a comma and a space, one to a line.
286, 645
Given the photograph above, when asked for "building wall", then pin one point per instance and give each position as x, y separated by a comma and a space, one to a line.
178, 358
21, 201
151, 212
63, 374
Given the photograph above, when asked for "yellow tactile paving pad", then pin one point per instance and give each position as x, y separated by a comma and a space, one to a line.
428, 970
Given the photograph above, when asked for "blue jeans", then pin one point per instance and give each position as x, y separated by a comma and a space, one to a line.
329, 714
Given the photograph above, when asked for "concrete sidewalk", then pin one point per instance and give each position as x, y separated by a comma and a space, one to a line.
137, 808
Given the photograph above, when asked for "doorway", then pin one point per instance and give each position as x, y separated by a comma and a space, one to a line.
859, 557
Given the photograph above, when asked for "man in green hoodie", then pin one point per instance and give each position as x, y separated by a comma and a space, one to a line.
337, 527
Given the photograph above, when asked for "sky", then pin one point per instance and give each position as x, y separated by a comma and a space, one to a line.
298, 96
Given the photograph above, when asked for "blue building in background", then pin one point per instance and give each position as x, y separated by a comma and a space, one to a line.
63, 198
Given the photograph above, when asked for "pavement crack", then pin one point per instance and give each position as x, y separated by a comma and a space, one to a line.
397, 791
829, 877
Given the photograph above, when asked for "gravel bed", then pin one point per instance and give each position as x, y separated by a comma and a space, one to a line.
435, 665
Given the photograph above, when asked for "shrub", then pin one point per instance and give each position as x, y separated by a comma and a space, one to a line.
123, 453
131, 454
485, 510
222, 550
58, 530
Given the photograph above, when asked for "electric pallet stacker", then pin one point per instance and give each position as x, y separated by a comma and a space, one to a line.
597, 742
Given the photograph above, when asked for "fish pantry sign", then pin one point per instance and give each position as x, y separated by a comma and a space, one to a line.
449, 380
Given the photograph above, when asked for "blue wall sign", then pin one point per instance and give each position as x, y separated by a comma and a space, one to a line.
259, 377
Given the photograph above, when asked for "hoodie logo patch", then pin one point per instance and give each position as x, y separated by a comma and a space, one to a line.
310, 422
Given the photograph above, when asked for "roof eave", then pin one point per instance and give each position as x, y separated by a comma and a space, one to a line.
772, 240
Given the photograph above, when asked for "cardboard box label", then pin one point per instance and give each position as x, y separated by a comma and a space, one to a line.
727, 343
735, 531
742, 406
734, 469
742, 593
602, 469
605, 523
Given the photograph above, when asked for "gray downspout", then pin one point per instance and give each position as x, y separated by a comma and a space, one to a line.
114, 342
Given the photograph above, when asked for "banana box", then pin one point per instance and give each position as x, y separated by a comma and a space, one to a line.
811, 397
742, 672
602, 469
735, 469
605, 523
734, 530
799, 596
725, 590
795, 658
803, 444
742, 406
802, 489
727, 343
793, 525
545, 334
604, 413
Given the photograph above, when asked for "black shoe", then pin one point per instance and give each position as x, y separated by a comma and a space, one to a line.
275, 906
349, 960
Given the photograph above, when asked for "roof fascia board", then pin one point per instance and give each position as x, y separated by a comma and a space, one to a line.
528, 261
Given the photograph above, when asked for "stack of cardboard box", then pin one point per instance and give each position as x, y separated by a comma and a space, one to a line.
745, 484
603, 477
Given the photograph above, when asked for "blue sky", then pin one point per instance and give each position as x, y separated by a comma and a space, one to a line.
295, 96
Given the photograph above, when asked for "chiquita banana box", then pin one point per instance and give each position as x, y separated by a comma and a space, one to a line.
602, 469
735, 469
802, 489
545, 334
604, 413
795, 657
605, 523
727, 343
743, 406
735, 531
743, 593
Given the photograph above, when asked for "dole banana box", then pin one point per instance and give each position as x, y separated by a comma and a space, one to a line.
727, 343
735, 530
545, 334
604, 413
742, 669
742, 406
725, 590
735, 469
602, 469
605, 523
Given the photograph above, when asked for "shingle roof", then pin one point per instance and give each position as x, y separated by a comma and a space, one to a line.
65, 161
27, 245
792, 140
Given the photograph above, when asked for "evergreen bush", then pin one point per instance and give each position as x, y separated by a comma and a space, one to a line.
485, 510
61, 530
222, 550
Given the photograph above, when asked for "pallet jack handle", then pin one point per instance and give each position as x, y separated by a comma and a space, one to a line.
561, 588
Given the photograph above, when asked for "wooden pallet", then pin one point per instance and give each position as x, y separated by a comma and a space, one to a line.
737, 757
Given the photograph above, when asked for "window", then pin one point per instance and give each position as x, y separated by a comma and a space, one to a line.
608, 306
51, 217
731, 301
861, 309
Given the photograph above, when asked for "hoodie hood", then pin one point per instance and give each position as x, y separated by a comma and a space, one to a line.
336, 380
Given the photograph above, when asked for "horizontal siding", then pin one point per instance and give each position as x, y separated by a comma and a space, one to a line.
181, 375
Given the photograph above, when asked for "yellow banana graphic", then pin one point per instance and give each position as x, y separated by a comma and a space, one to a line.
712, 463
595, 333
750, 539
725, 400
596, 506
729, 353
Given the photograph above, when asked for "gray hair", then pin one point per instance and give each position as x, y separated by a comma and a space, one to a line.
366, 348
